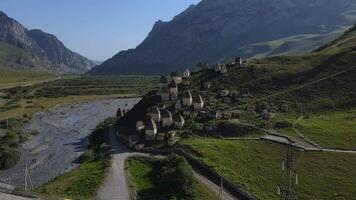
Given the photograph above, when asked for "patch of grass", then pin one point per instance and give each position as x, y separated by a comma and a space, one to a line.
335, 129
17, 77
148, 179
83, 182
80, 183
256, 167
98, 85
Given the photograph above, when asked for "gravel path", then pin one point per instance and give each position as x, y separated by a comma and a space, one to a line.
62, 137
116, 186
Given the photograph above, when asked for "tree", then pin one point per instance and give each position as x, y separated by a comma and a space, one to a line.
261, 106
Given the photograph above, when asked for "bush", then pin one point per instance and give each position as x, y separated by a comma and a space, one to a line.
232, 129
284, 108
88, 155
8, 157
283, 124
176, 171
261, 105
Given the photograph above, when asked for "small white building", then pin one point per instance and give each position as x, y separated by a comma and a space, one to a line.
186, 73
186, 112
178, 121
154, 113
186, 82
238, 61
216, 114
140, 125
178, 104
167, 119
207, 85
163, 82
267, 115
187, 98
177, 76
223, 69
224, 93
164, 93
245, 92
151, 130
161, 136
218, 67
198, 102
119, 113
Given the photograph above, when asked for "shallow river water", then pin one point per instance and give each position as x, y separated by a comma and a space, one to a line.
62, 137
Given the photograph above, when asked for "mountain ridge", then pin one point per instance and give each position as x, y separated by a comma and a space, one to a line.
40, 49
212, 30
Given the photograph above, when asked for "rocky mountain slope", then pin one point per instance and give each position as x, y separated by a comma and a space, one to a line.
21, 48
216, 29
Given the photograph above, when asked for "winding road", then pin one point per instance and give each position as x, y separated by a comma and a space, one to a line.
116, 185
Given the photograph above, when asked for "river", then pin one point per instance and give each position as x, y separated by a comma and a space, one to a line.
62, 137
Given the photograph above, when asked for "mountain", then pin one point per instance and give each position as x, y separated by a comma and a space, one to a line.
215, 29
22, 48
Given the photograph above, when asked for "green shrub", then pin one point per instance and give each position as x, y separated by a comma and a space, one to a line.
8, 157
261, 105
283, 124
176, 171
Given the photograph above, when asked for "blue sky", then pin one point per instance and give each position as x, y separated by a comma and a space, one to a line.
97, 29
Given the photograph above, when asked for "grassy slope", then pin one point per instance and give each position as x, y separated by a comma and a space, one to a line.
81, 183
255, 166
17, 77
295, 45
332, 129
144, 177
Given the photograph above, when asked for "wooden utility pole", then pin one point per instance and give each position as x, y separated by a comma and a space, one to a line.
221, 195
28, 179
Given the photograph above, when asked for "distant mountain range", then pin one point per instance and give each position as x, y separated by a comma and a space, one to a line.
214, 30
23, 48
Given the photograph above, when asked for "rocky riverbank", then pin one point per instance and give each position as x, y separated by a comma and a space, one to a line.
62, 137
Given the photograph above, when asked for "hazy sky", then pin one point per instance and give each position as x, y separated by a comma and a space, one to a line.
97, 29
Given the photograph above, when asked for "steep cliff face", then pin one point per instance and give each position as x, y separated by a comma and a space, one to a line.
39, 49
216, 29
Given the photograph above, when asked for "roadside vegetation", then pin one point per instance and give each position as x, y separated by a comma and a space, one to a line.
11, 137
83, 182
256, 167
165, 178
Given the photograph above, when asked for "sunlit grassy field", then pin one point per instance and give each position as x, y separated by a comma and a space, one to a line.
12, 78
333, 129
256, 167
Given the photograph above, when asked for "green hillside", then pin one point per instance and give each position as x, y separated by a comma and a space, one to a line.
309, 98
9, 54
293, 45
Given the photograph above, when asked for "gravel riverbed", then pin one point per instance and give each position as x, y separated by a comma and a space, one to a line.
62, 137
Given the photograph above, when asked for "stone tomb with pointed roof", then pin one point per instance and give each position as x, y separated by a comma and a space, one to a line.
179, 121
187, 99
151, 130
167, 119
198, 102
154, 113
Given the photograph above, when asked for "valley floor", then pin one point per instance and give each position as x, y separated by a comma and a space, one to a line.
61, 138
